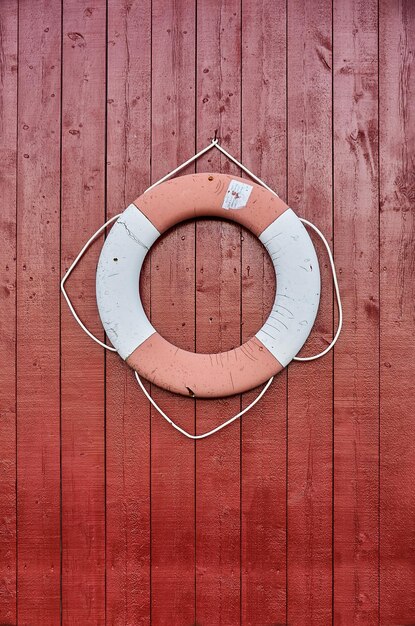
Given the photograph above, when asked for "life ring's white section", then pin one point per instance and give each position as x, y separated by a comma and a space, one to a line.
298, 287
117, 281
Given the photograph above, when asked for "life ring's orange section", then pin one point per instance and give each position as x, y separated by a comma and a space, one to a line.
216, 195
204, 375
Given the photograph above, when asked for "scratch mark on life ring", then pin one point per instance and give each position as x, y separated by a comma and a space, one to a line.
272, 326
278, 320
271, 238
233, 384
265, 333
283, 295
248, 356
280, 306
132, 235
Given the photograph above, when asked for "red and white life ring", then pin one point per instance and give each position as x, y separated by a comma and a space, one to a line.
297, 278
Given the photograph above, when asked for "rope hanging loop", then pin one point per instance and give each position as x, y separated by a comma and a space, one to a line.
282, 227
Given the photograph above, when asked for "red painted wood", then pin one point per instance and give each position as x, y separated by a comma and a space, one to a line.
38, 478
310, 398
264, 427
8, 145
356, 362
173, 314
127, 411
397, 263
218, 296
218, 252
170, 532
83, 210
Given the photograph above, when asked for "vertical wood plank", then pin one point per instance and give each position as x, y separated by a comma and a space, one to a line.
83, 210
38, 475
264, 427
127, 410
208, 540
173, 314
310, 400
218, 295
397, 263
8, 162
356, 376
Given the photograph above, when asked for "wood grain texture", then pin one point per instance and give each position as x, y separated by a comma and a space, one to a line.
173, 315
397, 341
356, 362
303, 512
8, 161
37, 324
38, 479
264, 428
218, 297
127, 411
310, 396
83, 383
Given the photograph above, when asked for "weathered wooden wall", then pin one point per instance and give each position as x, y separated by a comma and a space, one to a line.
303, 513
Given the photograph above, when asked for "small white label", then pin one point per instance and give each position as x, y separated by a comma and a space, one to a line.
237, 195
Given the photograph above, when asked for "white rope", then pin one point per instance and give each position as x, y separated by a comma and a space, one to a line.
178, 169
210, 432
246, 170
69, 272
214, 143
338, 298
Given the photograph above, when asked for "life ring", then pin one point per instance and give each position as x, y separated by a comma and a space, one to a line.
275, 344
